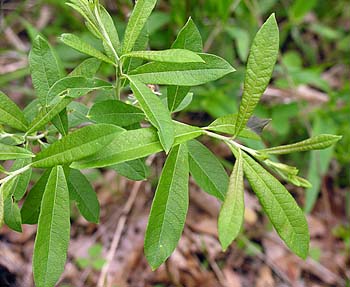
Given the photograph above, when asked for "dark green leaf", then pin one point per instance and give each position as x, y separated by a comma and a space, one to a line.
21, 181
12, 214
135, 169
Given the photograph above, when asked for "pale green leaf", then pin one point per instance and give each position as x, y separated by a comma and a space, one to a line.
207, 170
10, 114
260, 64
82, 192
138, 19
77, 145
170, 56
12, 214
231, 214
316, 142
31, 207
156, 112
52, 238
13, 152
183, 74
184, 103
169, 208
83, 47
115, 112
88, 68
110, 31
135, 144
279, 205
21, 181
45, 67
135, 169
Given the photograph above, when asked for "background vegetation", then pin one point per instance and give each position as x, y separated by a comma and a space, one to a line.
309, 95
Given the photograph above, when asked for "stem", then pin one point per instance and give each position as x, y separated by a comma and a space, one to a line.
15, 173
37, 137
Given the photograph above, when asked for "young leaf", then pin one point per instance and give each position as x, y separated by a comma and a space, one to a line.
156, 112
137, 21
45, 67
52, 238
21, 181
134, 144
315, 142
227, 124
115, 112
88, 68
12, 214
169, 208
207, 170
183, 74
83, 47
82, 192
31, 207
134, 169
13, 152
77, 145
170, 56
281, 208
232, 210
109, 31
260, 64
11, 115
188, 38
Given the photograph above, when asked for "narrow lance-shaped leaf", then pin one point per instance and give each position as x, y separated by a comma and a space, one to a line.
83, 47
45, 67
169, 208
137, 21
232, 210
115, 112
134, 144
207, 170
170, 56
183, 74
315, 142
13, 152
31, 207
77, 145
156, 112
21, 181
88, 68
52, 239
260, 64
82, 192
134, 169
279, 205
12, 214
10, 114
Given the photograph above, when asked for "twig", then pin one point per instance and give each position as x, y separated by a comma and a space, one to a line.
118, 232
210, 40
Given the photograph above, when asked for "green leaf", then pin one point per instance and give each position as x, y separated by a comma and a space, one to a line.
12, 214
134, 144
52, 238
169, 56
109, 31
82, 192
115, 112
184, 103
135, 169
232, 210
207, 170
169, 208
77, 145
188, 38
13, 152
61, 122
1, 206
261, 61
83, 47
75, 87
138, 18
279, 205
10, 114
21, 181
183, 74
31, 206
156, 112
88, 68
227, 124
45, 68
316, 142
45, 115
